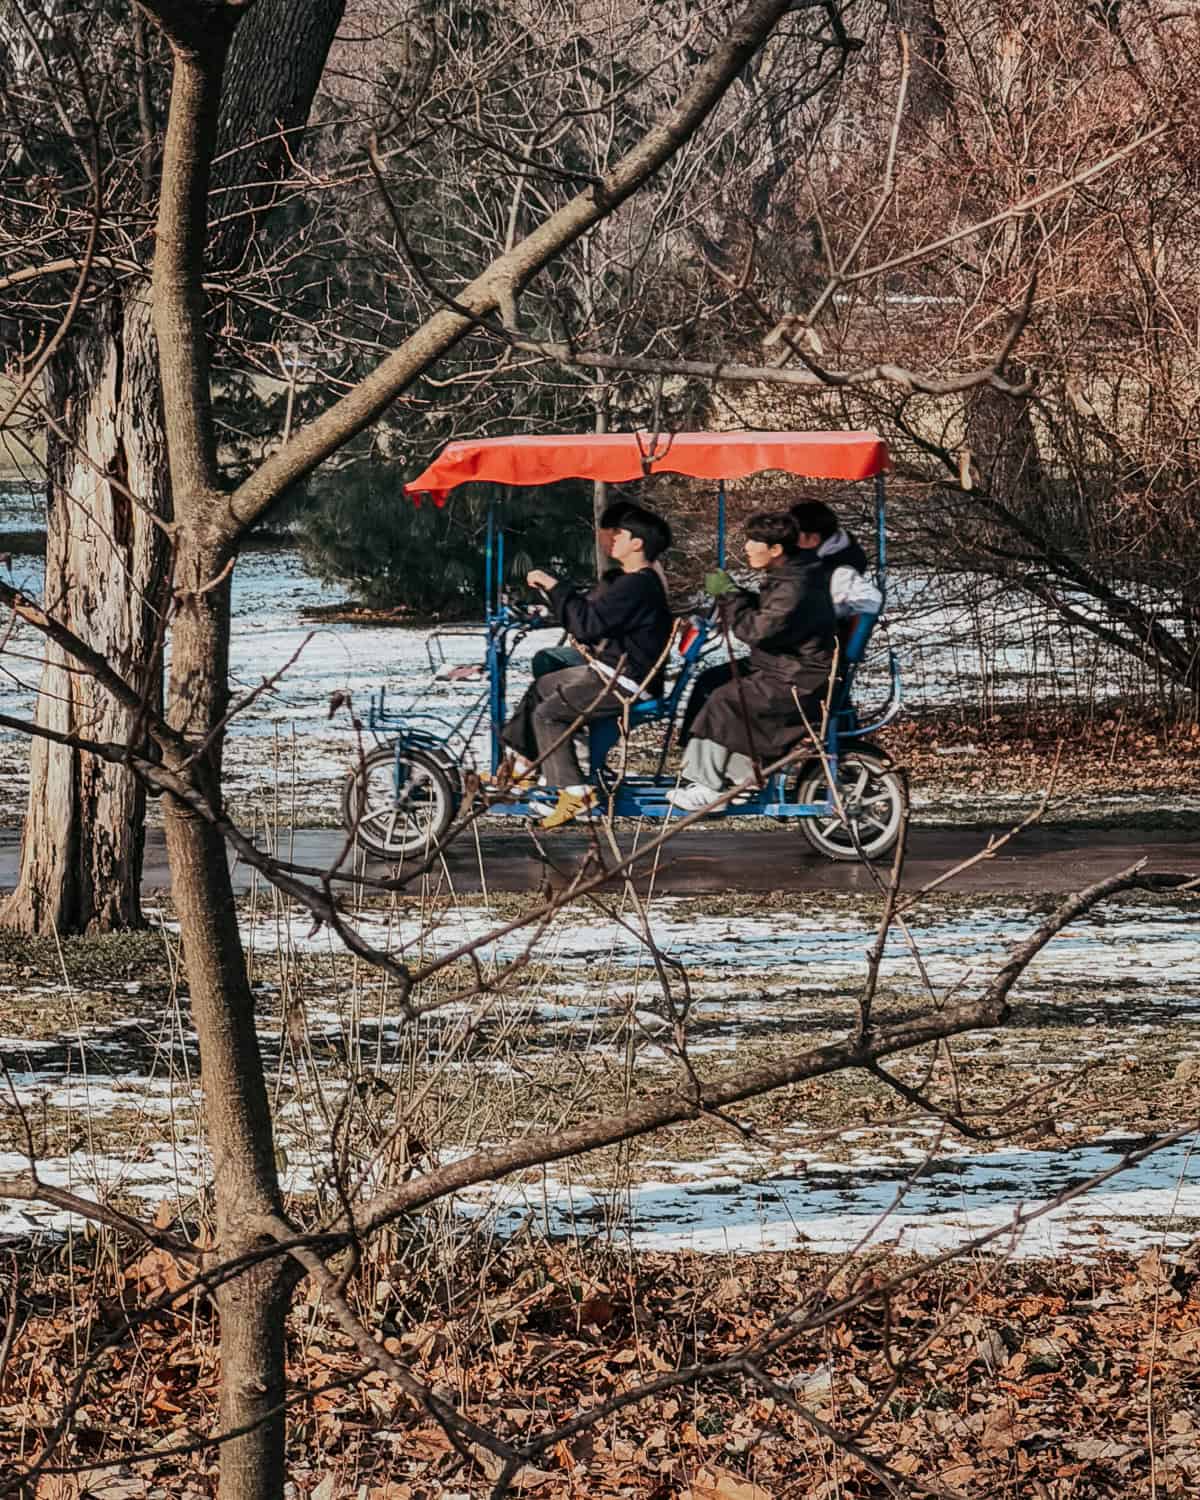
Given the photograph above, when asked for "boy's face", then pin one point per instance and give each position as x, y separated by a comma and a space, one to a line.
623, 545
762, 554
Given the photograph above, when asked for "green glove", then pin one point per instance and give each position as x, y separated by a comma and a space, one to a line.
718, 583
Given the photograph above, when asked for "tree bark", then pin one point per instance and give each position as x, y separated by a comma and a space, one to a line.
83, 837
253, 1305
81, 846
1001, 437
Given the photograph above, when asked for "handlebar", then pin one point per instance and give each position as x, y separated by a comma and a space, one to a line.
527, 616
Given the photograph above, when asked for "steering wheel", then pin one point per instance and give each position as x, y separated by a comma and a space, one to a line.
529, 615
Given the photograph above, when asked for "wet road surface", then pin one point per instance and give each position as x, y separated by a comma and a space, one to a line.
721, 858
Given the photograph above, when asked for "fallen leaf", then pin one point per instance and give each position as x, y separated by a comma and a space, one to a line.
596, 1311
156, 1272
998, 1434
1093, 1448
728, 1290
719, 1484
116, 1483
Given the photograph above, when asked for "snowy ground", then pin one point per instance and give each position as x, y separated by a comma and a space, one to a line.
840, 1207
1105, 1025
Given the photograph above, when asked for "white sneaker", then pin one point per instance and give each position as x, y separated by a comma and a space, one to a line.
692, 798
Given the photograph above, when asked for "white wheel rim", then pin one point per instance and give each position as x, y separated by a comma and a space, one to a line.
381, 818
861, 828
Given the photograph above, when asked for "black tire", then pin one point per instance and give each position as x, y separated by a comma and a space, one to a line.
874, 806
391, 827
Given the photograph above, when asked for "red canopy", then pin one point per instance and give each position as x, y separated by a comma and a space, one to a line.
618, 457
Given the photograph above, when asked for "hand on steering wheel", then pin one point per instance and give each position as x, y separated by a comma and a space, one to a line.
528, 614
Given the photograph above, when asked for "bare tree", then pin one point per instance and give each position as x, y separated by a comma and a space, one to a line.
109, 504
1084, 494
209, 523
259, 1254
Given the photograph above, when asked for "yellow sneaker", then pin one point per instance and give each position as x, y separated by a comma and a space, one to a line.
569, 806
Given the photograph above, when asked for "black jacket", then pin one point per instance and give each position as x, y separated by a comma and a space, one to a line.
789, 627
850, 555
625, 618
789, 624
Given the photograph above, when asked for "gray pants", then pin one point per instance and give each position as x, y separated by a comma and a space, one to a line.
550, 706
712, 765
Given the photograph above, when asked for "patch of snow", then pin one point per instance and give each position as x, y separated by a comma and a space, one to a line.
834, 1208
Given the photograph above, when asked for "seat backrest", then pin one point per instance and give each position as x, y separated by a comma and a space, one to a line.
854, 636
693, 641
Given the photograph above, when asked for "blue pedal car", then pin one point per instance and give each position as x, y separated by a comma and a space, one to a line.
403, 797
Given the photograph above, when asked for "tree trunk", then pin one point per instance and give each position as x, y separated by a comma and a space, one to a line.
82, 842
1000, 434
81, 848
253, 1306
930, 94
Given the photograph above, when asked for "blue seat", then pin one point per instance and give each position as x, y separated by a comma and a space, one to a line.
647, 710
854, 647
603, 733
854, 640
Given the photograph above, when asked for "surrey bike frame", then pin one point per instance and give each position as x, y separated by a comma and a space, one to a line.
448, 735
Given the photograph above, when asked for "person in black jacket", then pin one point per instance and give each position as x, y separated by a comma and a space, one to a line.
555, 658
789, 627
625, 628
842, 558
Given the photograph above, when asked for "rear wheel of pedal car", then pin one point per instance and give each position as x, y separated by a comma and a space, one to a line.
397, 811
873, 805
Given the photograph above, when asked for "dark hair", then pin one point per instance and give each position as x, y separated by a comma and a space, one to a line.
774, 528
814, 515
612, 515
651, 530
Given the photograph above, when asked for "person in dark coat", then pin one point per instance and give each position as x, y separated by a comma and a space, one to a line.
790, 628
840, 555
628, 626
555, 658
844, 563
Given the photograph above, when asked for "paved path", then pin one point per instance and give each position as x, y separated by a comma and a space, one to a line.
722, 858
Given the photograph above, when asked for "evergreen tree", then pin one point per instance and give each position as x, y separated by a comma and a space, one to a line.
360, 529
